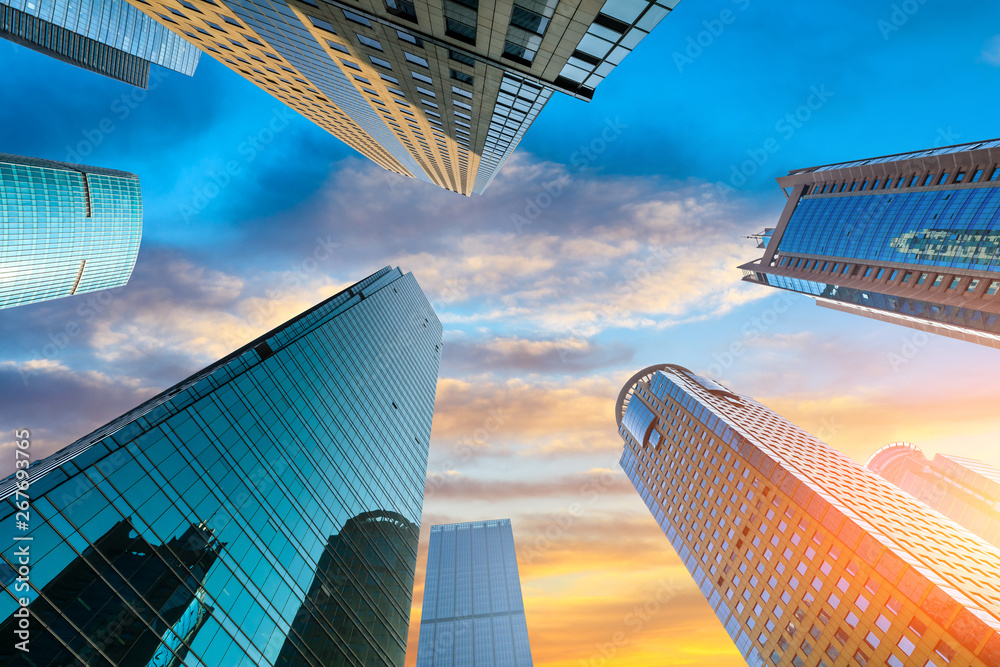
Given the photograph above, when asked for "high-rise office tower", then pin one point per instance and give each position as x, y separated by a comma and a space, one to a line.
439, 91
911, 239
110, 37
197, 527
67, 229
806, 557
964, 490
473, 613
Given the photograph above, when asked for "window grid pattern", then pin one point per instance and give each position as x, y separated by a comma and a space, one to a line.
528, 21
279, 26
518, 104
945, 228
262, 512
801, 551
68, 229
118, 25
957, 318
472, 612
406, 88
619, 28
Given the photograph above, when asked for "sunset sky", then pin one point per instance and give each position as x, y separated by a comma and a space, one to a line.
577, 268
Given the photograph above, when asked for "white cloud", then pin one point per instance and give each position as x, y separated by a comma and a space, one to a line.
991, 51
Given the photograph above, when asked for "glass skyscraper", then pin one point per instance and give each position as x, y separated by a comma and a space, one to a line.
912, 239
806, 557
964, 490
473, 613
107, 36
439, 91
263, 511
67, 229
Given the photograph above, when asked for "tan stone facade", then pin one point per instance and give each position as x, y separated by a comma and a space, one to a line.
440, 91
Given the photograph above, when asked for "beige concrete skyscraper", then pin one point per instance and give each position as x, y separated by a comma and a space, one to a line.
807, 557
441, 91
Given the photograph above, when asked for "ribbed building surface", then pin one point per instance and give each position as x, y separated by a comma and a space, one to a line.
107, 36
67, 229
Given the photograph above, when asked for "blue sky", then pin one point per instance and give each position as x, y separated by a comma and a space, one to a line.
633, 263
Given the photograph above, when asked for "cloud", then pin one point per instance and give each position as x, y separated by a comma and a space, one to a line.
655, 262
453, 486
58, 405
546, 249
991, 51
513, 354
176, 307
536, 417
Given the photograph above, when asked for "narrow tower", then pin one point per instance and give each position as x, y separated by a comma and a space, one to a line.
472, 612
67, 229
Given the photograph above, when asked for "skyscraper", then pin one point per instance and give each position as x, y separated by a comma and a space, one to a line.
318, 428
964, 490
110, 37
806, 557
67, 229
473, 613
911, 239
438, 91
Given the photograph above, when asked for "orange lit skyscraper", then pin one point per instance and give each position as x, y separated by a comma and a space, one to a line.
964, 490
807, 557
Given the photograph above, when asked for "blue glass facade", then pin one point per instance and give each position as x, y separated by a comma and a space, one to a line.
109, 25
951, 228
68, 229
473, 613
261, 512
912, 239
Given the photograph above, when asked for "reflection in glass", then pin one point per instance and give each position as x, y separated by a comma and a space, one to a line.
116, 602
357, 609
